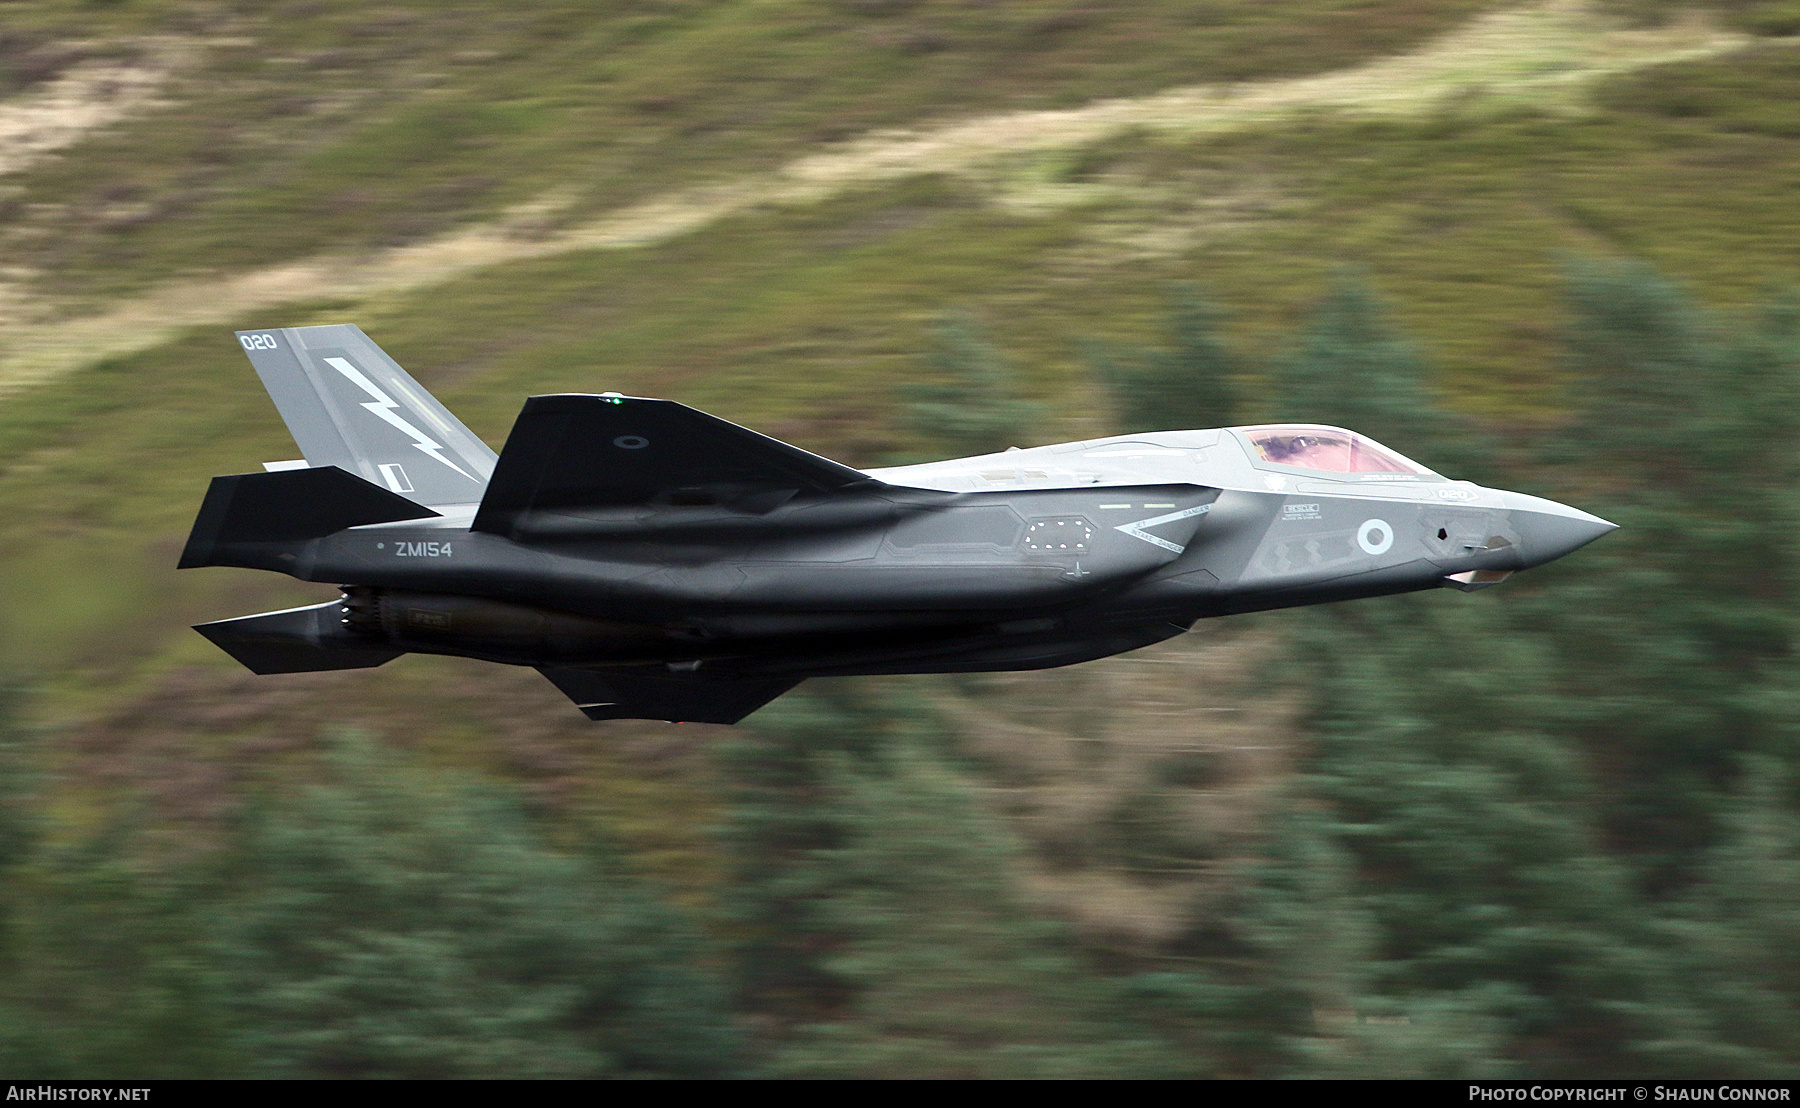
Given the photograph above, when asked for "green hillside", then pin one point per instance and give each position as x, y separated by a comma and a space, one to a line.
762, 208
798, 319
332, 125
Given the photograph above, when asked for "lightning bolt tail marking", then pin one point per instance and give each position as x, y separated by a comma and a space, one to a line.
386, 409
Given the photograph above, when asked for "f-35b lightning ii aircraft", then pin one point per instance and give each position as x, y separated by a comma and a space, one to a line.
655, 562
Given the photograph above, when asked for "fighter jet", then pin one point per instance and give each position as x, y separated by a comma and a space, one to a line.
656, 562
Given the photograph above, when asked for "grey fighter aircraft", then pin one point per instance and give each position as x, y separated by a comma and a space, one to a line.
655, 562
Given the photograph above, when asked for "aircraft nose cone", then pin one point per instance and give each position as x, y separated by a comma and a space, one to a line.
1548, 530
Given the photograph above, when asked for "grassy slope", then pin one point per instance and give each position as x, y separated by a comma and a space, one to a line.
314, 124
799, 321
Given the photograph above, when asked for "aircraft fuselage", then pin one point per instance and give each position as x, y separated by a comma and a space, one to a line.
911, 578
657, 562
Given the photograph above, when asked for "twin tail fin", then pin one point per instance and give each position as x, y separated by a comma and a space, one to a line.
350, 405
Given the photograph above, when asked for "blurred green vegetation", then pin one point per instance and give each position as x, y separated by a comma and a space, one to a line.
1551, 831
1547, 830
382, 921
1189, 382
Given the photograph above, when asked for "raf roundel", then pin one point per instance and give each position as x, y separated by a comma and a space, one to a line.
1375, 536
631, 442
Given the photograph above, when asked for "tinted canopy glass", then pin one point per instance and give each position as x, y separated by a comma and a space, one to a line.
1331, 449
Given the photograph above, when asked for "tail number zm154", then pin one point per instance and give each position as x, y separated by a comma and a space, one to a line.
422, 550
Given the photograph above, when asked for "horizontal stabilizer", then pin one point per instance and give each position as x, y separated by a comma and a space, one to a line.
298, 640
287, 506
675, 699
577, 451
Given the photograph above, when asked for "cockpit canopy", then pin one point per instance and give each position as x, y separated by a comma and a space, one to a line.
1329, 449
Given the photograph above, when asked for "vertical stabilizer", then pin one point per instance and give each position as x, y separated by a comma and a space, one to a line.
350, 405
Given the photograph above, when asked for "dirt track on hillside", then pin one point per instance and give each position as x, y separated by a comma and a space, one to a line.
1539, 53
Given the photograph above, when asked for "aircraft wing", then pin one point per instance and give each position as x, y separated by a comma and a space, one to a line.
583, 452
676, 699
